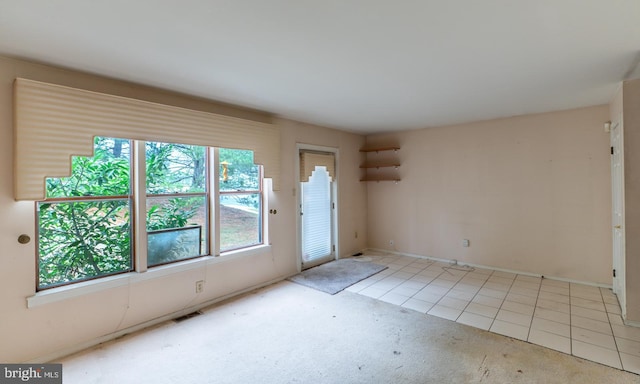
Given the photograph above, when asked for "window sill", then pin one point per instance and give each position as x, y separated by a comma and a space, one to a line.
110, 282
249, 251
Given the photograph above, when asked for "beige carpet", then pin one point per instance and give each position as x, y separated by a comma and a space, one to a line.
289, 333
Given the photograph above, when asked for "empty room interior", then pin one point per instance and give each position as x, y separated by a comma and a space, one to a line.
168, 167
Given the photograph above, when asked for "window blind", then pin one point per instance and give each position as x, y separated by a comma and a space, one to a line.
316, 220
310, 160
52, 123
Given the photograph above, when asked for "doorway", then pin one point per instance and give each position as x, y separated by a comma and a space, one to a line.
617, 220
317, 207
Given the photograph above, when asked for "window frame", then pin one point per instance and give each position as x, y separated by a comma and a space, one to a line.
207, 203
79, 199
260, 193
137, 200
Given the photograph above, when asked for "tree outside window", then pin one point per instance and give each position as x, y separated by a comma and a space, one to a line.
177, 202
84, 224
240, 199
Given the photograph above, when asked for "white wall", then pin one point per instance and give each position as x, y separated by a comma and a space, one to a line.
531, 193
47, 329
631, 115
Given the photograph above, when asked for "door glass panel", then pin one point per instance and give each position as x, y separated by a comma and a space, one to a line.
316, 216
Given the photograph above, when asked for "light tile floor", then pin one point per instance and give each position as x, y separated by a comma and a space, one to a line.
576, 319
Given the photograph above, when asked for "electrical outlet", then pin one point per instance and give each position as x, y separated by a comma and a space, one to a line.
199, 286
465, 243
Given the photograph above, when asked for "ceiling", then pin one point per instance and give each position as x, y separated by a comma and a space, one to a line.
361, 65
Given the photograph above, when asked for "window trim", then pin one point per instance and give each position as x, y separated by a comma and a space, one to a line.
107, 283
137, 227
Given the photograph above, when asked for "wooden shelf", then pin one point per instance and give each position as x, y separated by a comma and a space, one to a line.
379, 179
370, 166
379, 149
381, 167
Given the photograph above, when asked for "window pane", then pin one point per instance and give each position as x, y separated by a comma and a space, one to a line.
240, 220
237, 171
165, 217
316, 221
175, 168
83, 239
104, 174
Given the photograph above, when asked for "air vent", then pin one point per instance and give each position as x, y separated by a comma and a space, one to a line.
186, 317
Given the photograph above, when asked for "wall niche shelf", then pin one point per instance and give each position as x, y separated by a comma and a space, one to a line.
381, 163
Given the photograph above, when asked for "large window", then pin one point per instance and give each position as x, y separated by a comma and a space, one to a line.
86, 223
84, 226
240, 199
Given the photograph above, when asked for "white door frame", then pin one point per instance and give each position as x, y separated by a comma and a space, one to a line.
616, 137
334, 193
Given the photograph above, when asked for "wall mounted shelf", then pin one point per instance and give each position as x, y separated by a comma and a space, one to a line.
369, 166
380, 179
382, 163
379, 149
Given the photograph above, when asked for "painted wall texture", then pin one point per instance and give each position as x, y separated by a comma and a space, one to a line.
52, 328
631, 124
531, 193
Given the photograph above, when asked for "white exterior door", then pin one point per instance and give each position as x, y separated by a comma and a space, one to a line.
617, 194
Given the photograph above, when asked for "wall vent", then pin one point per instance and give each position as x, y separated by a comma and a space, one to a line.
188, 316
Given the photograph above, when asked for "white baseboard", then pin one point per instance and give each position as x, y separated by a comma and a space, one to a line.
632, 323
599, 285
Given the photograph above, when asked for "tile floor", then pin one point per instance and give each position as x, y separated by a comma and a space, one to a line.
576, 319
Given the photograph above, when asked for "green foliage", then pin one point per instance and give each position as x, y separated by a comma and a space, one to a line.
82, 239
104, 174
79, 240
83, 236
175, 168
172, 213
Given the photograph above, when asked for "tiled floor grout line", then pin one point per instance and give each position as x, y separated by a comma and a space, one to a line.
405, 280
474, 295
397, 285
615, 342
570, 324
501, 304
458, 282
445, 294
535, 306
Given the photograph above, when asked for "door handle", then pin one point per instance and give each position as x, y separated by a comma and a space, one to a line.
617, 226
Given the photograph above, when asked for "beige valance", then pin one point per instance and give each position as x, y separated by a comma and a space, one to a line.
309, 161
52, 123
